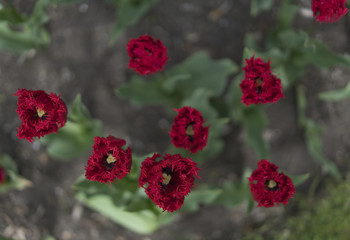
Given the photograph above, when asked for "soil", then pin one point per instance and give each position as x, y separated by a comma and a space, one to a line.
81, 60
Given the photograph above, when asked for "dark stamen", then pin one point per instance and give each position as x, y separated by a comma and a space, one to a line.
259, 82
259, 89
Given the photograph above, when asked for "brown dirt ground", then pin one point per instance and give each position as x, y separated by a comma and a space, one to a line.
80, 60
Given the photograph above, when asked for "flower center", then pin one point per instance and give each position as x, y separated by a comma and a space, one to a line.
148, 51
111, 159
271, 185
189, 130
166, 174
40, 112
259, 82
166, 178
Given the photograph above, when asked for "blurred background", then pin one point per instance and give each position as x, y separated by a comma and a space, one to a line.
80, 49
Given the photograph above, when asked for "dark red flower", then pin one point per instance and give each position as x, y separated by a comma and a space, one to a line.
2, 175
328, 10
147, 55
108, 160
187, 130
40, 113
168, 180
269, 187
259, 84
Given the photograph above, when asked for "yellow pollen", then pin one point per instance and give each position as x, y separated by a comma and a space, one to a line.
40, 112
166, 179
189, 130
111, 159
272, 184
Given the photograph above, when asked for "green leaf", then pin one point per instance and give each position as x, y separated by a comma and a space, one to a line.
10, 15
281, 74
234, 99
321, 56
3, 238
129, 12
39, 16
315, 146
180, 82
172, 81
233, 194
254, 121
28, 34
336, 95
73, 140
140, 201
204, 73
136, 164
200, 100
78, 112
300, 179
20, 42
197, 197
142, 222
291, 52
13, 180
141, 92
122, 192
258, 6
286, 14
77, 136
48, 238
313, 133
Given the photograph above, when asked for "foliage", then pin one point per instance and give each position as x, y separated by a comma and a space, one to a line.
326, 218
128, 13
181, 82
253, 119
258, 6
76, 137
190, 83
199, 82
20, 33
300, 179
14, 180
312, 135
123, 202
319, 218
48, 238
336, 95
3, 238
291, 52
126, 204
235, 193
